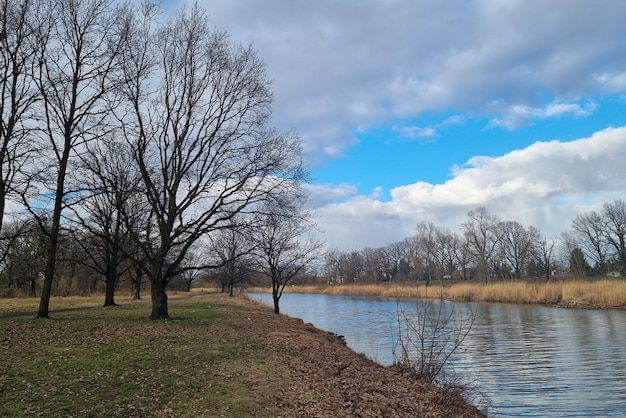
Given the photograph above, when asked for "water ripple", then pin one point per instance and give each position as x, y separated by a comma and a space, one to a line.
530, 361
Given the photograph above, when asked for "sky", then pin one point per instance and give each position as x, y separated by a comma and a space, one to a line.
423, 110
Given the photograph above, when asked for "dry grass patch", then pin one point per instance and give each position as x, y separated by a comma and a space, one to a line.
609, 293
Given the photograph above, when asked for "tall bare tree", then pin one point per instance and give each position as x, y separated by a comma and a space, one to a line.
196, 114
516, 244
231, 250
614, 214
426, 250
544, 250
73, 76
25, 256
449, 247
111, 178
397, 256
332, 268
282, 247
480, 231
374, 264
588, 231
192, 259
18, 95
347, 266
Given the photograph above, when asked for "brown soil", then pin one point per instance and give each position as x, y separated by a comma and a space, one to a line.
323, 378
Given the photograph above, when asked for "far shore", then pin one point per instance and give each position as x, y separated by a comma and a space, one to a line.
574, 293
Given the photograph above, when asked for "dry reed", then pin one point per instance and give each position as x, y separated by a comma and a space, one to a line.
609, 293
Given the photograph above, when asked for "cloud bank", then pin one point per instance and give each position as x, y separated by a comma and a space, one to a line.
344, 66
544, 185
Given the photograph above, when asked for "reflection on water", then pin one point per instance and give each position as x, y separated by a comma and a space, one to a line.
529, 360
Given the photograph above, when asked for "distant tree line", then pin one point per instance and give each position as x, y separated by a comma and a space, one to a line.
487, 248
135, 147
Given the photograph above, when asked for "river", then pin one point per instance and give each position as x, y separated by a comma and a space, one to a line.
527, 360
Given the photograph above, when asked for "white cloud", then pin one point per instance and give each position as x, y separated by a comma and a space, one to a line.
341, 66
413, 132
613, 82
377, 193
320, 195
544, 185
520, 115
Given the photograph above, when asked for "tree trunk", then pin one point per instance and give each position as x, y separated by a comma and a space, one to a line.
136, 282
109, 291
159, 299
46, 290
33, 287
276, 307
137, 291
49, 271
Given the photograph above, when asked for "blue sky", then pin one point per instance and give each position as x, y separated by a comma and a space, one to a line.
386, 156
422, 110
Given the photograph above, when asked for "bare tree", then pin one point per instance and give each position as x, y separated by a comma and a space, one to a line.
196, 113
543, 252
465, 256
111, 178
447, 245
231, 250
481, 233
139, 224
282, 247
136, 279
426, 250
374, 264
516, 244
588, 231
397, 256
18, 95
345, 266
614, 215
352, 266
332, 267
73, 77
191, 274
428, 338
25, 256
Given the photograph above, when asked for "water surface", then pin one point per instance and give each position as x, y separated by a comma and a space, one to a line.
528, 360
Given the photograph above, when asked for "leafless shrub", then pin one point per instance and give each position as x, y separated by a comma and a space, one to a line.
428, 336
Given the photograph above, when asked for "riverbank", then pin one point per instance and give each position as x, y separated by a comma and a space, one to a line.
218, 356
597, 294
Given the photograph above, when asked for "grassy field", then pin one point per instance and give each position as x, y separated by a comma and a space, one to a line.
90, 361
595, 293
217, 357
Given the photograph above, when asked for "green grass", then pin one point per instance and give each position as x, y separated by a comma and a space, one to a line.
90, 361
